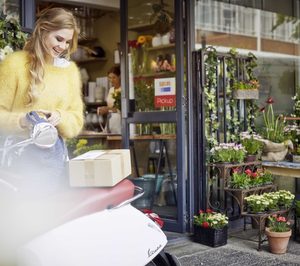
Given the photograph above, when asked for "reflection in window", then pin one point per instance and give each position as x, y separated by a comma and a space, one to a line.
10, 8
225, 25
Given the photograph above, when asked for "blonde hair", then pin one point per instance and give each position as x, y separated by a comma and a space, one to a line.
49, 20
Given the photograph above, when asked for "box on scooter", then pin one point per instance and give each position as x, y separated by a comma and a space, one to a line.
100, 168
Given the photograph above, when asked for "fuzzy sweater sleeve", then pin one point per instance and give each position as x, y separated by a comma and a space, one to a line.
72, 117
10, 78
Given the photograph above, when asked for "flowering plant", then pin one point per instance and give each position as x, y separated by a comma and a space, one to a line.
210, 219
228, 152
293, 133
251, 143
278, 223
274, 126
296, 108
246, 85
257, 203
286, 198
117, 97
12, 36
250, 178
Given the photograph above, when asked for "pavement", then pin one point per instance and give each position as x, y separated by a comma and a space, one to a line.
241, 249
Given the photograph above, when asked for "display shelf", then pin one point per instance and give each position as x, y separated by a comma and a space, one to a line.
84, 41
240, 194
219, 178
95, 104
161, 47
155, 75
91, 60
260, 219
141, 27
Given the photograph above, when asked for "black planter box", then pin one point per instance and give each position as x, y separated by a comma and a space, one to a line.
210, 237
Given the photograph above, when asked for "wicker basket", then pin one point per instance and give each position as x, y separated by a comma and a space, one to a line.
210, 237
245, 94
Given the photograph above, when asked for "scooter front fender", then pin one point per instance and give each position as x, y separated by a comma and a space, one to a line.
121, 236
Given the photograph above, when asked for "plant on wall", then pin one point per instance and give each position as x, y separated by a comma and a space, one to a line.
232, 113
211, 117
12, 37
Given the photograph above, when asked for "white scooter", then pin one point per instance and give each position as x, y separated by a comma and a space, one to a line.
91, 227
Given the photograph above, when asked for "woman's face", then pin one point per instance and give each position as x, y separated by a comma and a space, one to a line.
114, 80
56, 42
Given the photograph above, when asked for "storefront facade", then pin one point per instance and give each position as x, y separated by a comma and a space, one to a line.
160, 111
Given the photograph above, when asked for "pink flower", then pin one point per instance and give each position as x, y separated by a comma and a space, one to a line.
209, 211
270, 100
248, 172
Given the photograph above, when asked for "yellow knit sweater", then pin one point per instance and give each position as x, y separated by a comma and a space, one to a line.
61, 92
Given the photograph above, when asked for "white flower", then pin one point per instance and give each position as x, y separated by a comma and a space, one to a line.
5, 51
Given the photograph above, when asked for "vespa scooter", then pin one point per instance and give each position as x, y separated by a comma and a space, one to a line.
86, 227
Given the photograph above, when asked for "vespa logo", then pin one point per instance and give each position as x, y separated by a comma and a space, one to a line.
151, 252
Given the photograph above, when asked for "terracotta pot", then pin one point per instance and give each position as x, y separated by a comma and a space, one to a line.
278, 241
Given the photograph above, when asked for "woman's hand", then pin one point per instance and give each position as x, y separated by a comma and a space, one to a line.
52, 117
102, 110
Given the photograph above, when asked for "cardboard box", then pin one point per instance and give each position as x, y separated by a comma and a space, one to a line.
100, 168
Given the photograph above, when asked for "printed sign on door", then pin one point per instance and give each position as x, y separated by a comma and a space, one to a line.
165, 93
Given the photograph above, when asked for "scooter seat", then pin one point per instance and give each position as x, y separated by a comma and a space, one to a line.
84, 201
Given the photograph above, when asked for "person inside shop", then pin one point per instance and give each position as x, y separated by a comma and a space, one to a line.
41, 78
113, 100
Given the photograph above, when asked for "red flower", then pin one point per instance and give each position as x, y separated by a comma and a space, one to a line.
205, 224
248, 172
209, 211
254, 175
281, 219
262, 109
270, 100
201, 211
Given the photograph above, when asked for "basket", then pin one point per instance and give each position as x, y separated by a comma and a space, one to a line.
210, 236
245, 94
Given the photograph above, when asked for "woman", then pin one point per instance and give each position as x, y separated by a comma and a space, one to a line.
40, 78
114, 79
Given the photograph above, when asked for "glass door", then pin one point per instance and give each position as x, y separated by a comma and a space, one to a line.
152, 112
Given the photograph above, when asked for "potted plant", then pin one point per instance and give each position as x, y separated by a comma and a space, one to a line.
239, 180
256, 203
248, 87
276, 143
228, 152
210, 228
278, 233
286, 198
77, 147
293, 133
252, 146
246, 90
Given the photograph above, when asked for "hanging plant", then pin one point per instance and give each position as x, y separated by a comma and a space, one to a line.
161, 18
232, 133
211, 117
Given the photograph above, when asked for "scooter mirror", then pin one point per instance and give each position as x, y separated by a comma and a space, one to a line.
44, 135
